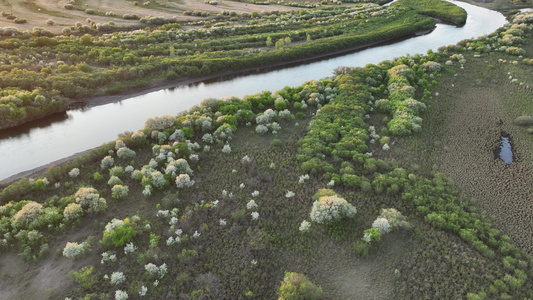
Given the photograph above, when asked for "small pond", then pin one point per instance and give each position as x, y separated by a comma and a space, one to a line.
505, 150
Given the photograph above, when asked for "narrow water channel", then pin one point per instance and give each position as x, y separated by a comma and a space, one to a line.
77, 130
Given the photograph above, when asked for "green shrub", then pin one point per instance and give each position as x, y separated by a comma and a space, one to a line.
296, 286
524, 121
118, 233
85, 277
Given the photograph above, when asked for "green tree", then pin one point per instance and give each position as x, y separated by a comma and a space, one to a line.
296, 286
269, 42
280, 43
86, 40
287, 40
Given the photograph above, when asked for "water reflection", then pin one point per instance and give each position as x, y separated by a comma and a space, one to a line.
86, 127
506, 150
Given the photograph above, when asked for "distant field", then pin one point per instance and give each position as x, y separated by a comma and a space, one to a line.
38, 13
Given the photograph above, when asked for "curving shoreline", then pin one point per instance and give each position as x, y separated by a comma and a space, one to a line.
160, 85
156, 86
321, 68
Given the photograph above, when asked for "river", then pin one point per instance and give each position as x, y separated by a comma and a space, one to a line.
39, 143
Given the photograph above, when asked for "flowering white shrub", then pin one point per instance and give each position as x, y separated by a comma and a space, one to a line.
196, 234
110, 227
74, 173
159, 123
226, 149
129, 248
255, 194
385, 147
137, 135
367, 237
285, 114
431, 66
194, 157
147, 191
73, 250
270, 114
121, 295
151, 268
107, 162
170, 241
290, 194
117, 171
241, 186
329, 209
255, 215
119, 191
261, 129
117, 278
223, 132
119, 144
275, 127
177, 135
262, 120
126, 153
137, 175
395, 218
152, 164
108, 257
72, 211
163, 213
114, 180
182, 166
303, 178
382, 225
208, 138
128, 169
251, 204
158, 179
184, 180
143, 291
305, 226
246, 159
204, 122
28, 215
192, 146
222, 222
162, 270
173, 221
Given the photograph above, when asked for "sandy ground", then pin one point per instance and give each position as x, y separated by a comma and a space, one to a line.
44, 10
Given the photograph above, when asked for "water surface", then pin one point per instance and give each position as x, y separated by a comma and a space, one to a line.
77, 130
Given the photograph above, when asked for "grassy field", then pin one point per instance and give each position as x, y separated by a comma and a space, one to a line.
211, 204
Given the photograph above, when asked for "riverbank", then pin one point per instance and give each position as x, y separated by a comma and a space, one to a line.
160, 85
156, 86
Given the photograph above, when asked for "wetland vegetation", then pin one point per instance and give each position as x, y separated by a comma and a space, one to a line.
89, 58
375, 183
